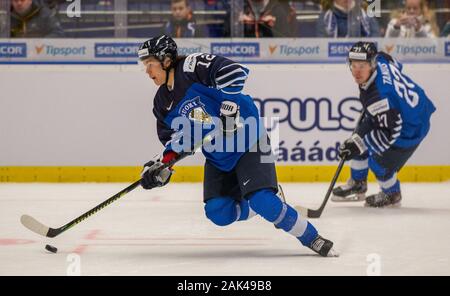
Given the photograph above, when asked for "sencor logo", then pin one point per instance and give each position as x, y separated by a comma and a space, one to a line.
447, 49
13, 50
245, 49
116, 50
339, 49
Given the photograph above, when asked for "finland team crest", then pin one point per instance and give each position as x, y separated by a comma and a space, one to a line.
194, 109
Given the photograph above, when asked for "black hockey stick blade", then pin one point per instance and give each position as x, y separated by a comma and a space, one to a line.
310, 213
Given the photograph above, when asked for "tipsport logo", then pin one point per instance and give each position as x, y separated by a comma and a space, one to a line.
185, 51
13, 50
299, 51
57, 51
447, 49
242, 49
411, 50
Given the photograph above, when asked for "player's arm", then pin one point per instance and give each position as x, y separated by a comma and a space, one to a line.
152, 175
225, 75
387, 128
219, 72
378, 130
229, 77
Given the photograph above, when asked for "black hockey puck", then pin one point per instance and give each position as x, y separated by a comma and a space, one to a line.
51, 248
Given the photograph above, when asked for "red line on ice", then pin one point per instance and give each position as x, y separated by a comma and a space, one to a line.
92, 235
14, 241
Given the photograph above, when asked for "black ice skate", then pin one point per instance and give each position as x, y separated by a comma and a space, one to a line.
323, 247
381, 200
352, 191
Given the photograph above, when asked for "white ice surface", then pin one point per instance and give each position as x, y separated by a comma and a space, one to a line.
165, 232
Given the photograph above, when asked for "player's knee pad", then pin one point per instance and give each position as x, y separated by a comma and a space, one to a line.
266, 204
221, 210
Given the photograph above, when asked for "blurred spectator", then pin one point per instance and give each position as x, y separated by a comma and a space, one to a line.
415, 20
182, 23
220, 30
333, 21
446, 30
30, 19
268, 18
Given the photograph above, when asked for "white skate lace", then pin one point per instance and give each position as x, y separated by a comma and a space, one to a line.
350, 183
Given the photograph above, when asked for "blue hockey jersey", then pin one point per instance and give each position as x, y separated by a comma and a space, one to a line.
202, 83
397, 110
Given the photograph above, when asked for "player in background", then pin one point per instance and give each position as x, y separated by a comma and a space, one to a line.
396, 119
206, 89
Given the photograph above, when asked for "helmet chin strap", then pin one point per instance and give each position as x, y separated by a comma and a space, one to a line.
167, 72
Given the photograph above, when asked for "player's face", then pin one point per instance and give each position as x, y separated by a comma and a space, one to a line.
180, 11
413, 7
21, 6
361, 71
155, 71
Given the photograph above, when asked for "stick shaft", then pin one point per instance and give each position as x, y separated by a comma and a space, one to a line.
94, 210
52, 232
317, 213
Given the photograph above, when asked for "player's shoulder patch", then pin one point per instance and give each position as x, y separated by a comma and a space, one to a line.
378, 107
190, 62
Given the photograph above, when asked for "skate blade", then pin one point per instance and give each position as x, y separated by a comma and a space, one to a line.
333, 253
391, 206
351, 198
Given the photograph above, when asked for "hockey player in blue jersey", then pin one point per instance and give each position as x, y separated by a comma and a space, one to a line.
396, 119
206, 89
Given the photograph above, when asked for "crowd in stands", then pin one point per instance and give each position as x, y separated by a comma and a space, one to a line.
215, 18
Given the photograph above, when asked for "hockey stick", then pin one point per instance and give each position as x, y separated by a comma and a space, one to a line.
39, 228
310, 213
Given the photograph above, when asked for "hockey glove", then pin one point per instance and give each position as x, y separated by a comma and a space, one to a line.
229, 115
152, 174
352, 147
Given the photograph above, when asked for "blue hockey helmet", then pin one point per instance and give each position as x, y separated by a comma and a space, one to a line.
363, 51
159, 47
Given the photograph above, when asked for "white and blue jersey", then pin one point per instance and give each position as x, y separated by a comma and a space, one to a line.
397, 109
202, 83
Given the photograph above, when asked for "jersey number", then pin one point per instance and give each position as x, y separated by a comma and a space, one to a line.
208, 57
382, 119
404, 88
